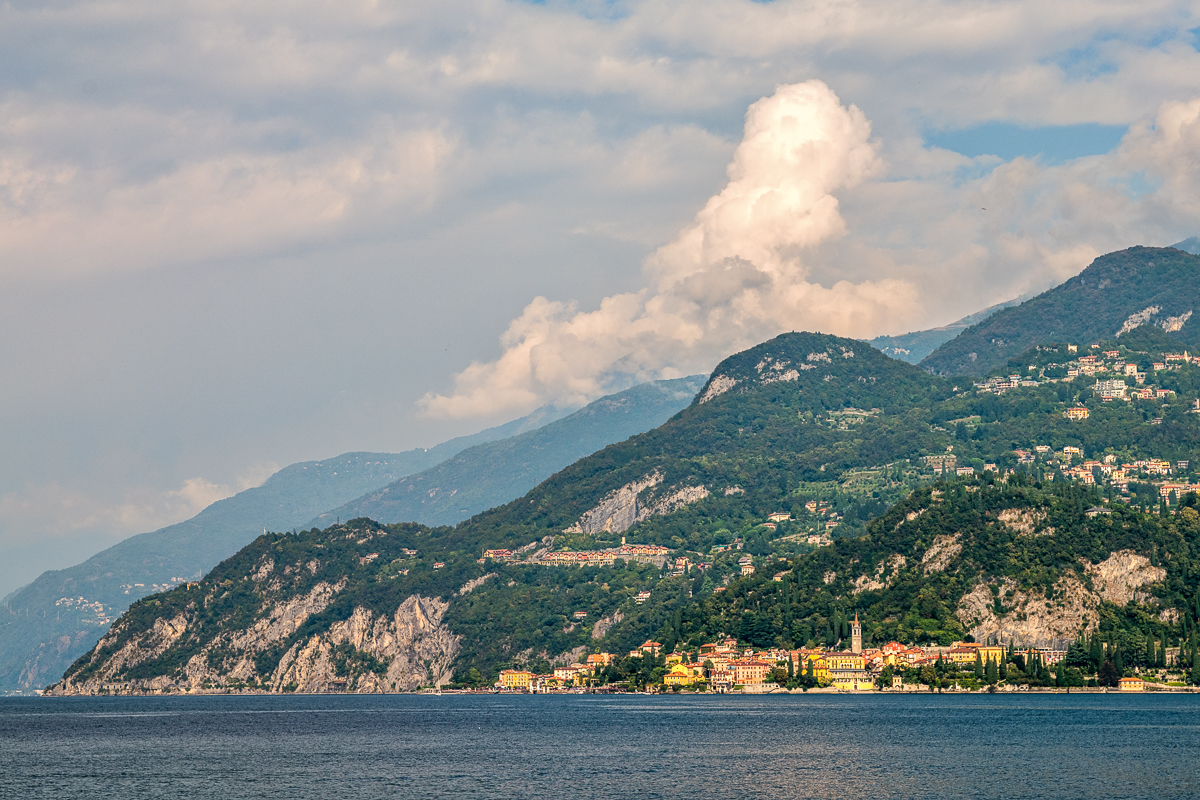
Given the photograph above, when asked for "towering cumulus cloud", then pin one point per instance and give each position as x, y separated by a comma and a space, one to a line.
734, 277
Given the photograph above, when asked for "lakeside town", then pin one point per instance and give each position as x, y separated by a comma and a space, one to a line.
728, 666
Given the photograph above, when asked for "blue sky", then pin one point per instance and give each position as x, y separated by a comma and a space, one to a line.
235, 237
1051, 143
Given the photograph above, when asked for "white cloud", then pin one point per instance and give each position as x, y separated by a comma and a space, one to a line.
274, 201
734, 276
769, 253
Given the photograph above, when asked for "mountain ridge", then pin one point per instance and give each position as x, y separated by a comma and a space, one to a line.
916, 345
1117, 292
48, 623
466, 484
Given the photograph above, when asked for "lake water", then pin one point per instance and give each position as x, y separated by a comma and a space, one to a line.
820, 746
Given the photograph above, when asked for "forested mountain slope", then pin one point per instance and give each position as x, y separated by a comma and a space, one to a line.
1118, 292
804, 421
493, 473
49, 623
352, 608
63, 613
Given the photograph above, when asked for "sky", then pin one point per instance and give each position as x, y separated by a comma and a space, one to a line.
236, 236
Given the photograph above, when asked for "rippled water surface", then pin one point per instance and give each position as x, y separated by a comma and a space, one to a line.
1095, 746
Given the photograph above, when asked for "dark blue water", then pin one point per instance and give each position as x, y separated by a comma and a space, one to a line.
1095, 746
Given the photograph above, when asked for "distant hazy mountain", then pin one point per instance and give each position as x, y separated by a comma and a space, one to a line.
912, 347
1189, 245
63, 613
494, 473
1118, 292
50, 622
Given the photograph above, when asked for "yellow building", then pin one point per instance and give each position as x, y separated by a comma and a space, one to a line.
847, 672
1131, 685
963, 654
820, 667
684, 674
851, 680
843, 660
515, 679
993, 652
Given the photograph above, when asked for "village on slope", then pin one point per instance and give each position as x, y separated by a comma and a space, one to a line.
1119, 377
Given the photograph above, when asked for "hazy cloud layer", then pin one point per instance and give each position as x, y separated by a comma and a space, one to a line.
54, 516
239, 234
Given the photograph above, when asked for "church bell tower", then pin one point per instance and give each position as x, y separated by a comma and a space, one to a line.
856, 635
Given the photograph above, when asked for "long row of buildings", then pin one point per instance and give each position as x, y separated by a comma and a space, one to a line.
724, 666
650, 553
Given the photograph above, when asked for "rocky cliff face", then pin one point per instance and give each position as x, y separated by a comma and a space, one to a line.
635, 502
411, 648
1033, 620
366, 653
267, 625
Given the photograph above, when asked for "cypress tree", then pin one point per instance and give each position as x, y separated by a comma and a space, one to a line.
1195, 665
978, 666
1096, 651
1151, 651
992, 673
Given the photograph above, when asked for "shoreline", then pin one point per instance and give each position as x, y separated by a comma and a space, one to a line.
1089, 690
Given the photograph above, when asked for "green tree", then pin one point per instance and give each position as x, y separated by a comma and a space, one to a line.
1095, 652
1107, 675
929, 677
992, 672
884, 681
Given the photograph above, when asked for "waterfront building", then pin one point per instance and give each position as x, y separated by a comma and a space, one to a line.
682, 674
750, 671
516, 679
